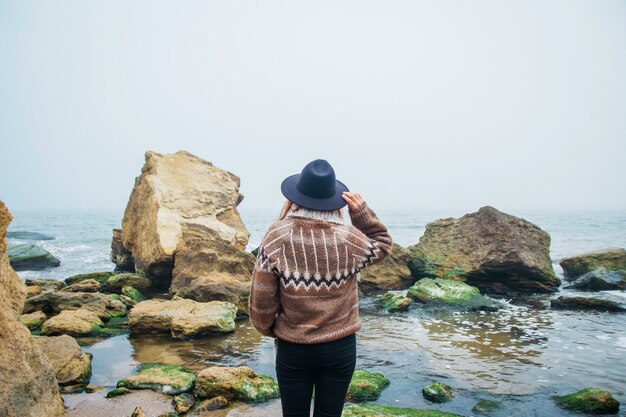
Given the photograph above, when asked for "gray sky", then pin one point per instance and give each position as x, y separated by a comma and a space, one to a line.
438, 104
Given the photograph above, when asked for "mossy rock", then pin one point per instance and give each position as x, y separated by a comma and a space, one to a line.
183, 402
366, 386
590, 401
168, 379
395, 302
116, 392
101, 277
450, 292
376, 410
131, 296
438, 392
486, 406
236, 383
140, 281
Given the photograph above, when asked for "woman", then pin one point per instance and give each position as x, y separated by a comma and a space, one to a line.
304, 287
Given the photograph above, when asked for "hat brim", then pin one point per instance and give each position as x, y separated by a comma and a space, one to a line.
290, 191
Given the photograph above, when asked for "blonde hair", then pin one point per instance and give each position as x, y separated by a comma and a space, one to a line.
292, 209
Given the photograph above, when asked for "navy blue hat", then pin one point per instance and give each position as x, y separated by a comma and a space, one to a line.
315, 187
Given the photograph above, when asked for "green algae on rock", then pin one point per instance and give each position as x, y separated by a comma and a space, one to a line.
131, 296
366, 386
376, 410
485, 406
168, 379
611, 259
451, 292
236, 383
79, 322
116, 392
438, 392
590, 401
101, 277
395, 302
34, 320
183, 402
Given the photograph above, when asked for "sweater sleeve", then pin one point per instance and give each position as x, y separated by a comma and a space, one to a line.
263, 302
368, 223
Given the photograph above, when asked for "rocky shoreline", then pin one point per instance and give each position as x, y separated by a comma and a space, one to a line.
182, 272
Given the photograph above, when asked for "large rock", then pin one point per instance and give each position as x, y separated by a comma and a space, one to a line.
182, 318
589, 400
28, 385
450, 292
54, 302
79, 322
33, 236
611, 259
138, 281
29, 257
120, 256
392, 273
240, 383
168, 379
366, 386
597, 302
494, 251
71, 365
601, 279
46, 283
181, 212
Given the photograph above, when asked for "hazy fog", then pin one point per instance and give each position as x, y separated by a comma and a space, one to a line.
416, 104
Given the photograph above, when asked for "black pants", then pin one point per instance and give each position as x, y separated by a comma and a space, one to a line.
326, 366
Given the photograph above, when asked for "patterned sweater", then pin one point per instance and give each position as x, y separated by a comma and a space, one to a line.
304, 282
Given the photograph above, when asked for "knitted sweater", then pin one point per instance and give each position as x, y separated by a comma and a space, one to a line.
304, 282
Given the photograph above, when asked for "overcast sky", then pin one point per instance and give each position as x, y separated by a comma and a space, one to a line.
417, 104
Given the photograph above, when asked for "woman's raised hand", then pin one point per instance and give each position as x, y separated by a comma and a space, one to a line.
355, 201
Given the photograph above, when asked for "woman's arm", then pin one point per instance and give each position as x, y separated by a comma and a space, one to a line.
364, 219
263, 302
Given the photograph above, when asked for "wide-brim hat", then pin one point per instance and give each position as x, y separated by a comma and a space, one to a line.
315, 187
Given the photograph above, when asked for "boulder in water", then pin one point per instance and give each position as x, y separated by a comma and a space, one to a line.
179, 197
29, 257
366, 386
71, 365
379, 410
598, 302
601, 279
79, 322
392, 273
450, 292
240, 383
611, 259
182, 318
168, 379
494, 251
32, 236
395, 302
28, 385
590, 401
438, 392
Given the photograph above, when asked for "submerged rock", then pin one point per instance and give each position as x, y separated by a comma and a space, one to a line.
79, 322
590, 401
46, 283
376, 410
438, 392
29, 257
71, 365
182, 318
28, 385
392, 273
486, 406
88, 285
168, 379
182, 229
240, 383
395, 302
366, 386
492, 250
600, 279
450, 292
33, 320
23, 235
588, 303
611, 259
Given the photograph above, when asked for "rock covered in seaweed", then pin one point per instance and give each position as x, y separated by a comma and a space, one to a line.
438, 392
366, 386
55, 302
395, 302
590, 401
604, 302
28, 385
79, 322
378, 410
450, 292
235, 383
168, 379
611, 259
494, 251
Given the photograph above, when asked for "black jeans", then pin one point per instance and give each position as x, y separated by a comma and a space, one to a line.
326, 366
